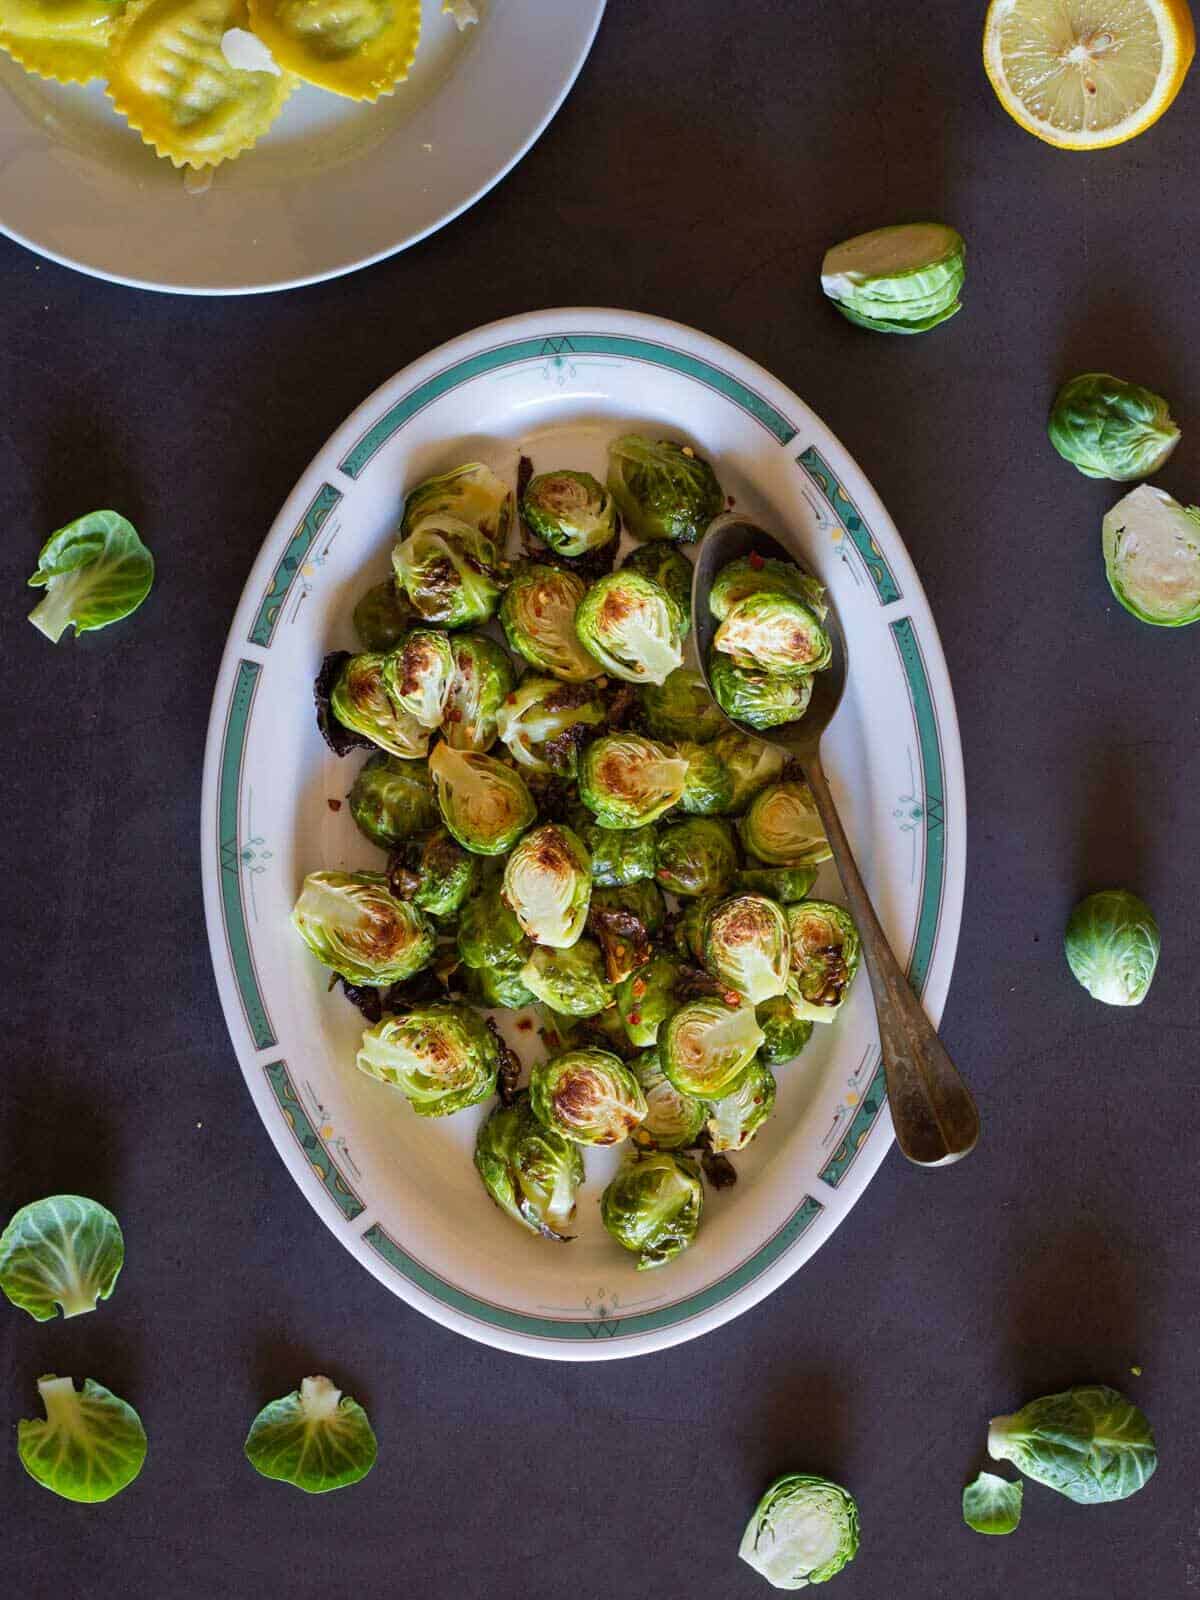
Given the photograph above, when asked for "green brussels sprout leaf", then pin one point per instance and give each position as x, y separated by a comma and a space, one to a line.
316, 1438
94, 571
1089, 1443
63, 1251
90, 1446
992, 1504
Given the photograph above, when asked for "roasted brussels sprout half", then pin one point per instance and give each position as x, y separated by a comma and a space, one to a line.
544, 721
538, 614
442, 1058
362, 700
673, 1121
353, 925
531, 1171
774, 633
489, 935
623, 922
746, 946
589, 1096
620, 856
785, 1033
785, 884
472, 493
418, 675
627, 781
383, 616
653, 1206
664, 490
482, 678
485, 804
574, 981
632, 627
548, 884
803, 1531
1152, 557
647, 998
756, 574
664, 565
391, 800
825, 955
752, 765
449, 571
734, 1120
900, 279
1112, 944
783, 827
1111, 429
759, 699
696, 856
435, 873
707, 1046
680, 707
570, 511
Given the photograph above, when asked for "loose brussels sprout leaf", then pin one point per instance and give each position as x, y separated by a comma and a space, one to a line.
442, 1058
632, 627
759, 699
647, 998
825, 955
94, 571
383, 616
992, 1504
1088, 1443
573, 981
774, 633
707, 1047
543, 722
804, 1530
316, 1438
752, 764
734, 1120
589, 1096
362, 701
62, 1251
449, 571
531, 1171
680, 707
746, 946
653, 1206
418, 675
785, 884
570, 511
697, 856
627, 781
489, 936
673, 1120
708, 788
756, 574
1111, 429
620, 856
1152, 557
392, 799
481, 679
538, 614
548, 884
784, 1032
436, 874
663, 490
1112, 944
623, 921
353, 925
472, 492
783, 827
91, 1445
485, 804
663, 564
897, 280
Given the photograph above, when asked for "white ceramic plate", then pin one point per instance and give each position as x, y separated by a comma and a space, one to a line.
400, 1191
331, 187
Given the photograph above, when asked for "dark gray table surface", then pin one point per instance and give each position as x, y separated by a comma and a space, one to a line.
704, 161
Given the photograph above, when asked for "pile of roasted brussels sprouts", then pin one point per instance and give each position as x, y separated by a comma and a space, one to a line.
591, 839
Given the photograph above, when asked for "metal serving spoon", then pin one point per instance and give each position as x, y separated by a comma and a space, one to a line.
934, 1114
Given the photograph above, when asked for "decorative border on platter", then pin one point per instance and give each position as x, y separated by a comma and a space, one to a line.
851, 520
290, 562
314, 1149
229, 855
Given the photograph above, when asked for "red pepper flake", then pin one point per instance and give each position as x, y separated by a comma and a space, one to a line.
524, 1024
756, 561
635, 1017
732, 998
334, 805
639, 988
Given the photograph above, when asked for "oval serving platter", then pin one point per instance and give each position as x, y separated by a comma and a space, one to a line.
400, 1191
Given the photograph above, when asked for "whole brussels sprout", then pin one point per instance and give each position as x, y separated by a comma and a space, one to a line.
783, 827
436, 874
902, 279
589, 1096
489, 936
774, 633
353, 925
734, 1120
632, 627
530, 1170
485, 804
383, 616
538, 615
1112, 944
663, 564
664, 490
620, 856
804, 1531
548, 884
680, 707
449, 571
1090, 1444
752, 765
784, 1032
481, 680
623, 921
392, 799
759, 699
442, 1058
785, 884
473, 493
1152, 557
627, 781
708, 788
647, 998
707, 1046
418, 675
746, 946
361, 700
1111, 429
570, 511
697, 856
572, 981
825, 956
653, 1206
544, 721
756, 574
673, 1121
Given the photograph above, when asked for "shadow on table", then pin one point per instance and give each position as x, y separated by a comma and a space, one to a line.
800, 1415
1112, 841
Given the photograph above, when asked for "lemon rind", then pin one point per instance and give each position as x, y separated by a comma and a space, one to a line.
294, 59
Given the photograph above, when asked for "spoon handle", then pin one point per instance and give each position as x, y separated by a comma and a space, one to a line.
933, 1112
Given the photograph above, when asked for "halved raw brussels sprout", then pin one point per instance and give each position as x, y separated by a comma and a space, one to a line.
548, 884
484, 803
746, 946
570, 511
736, 1118
647, 998
825, 956
441, 1057
632, 627
680, 707
353, 925
316, 1438
620, 856
1152, 557
482, 678
653, 1206
538, 615
804, 1530
665, 565
435, 873
589, 1096
472, 492
664, 490
530, 1170
392, 799
785, 884
418, 674
573, 981
774, 633
90, 1446
383, 616
627, 781
673, 1121
759, 699
756, 574
783, 827
362, 701
785, 1032
902, 279
707, 1046
64, 1252
1111, 429
544, 721
696, 856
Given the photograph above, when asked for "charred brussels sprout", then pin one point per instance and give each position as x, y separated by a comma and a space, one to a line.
752, 765
383, 616
825, 955
589, 1096
773, 633
353, 925
627, 781
664, 490
647, 998
418, 675
392, 799
473, 493
481, 679
707, 1047
746, 946
632, 627
570, 511
785, 884
673, 1121
697, 856
783, 827
804, 1530
543, 722
538, 614
764, 575
734, 1120
653, 1206
485, 804
1111, 429
1112, 944
449, 571
759, 699
708, 788
442, 1058
785, 1033
489, 935
664, 565
1152, 557
620, 856
362, 701
689, 930
529, 1170
680, 707
548, 884
437, 874
623, 921
573, 982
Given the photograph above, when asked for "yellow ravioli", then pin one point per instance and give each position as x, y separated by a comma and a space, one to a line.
356, 48
62, 39
170, 81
